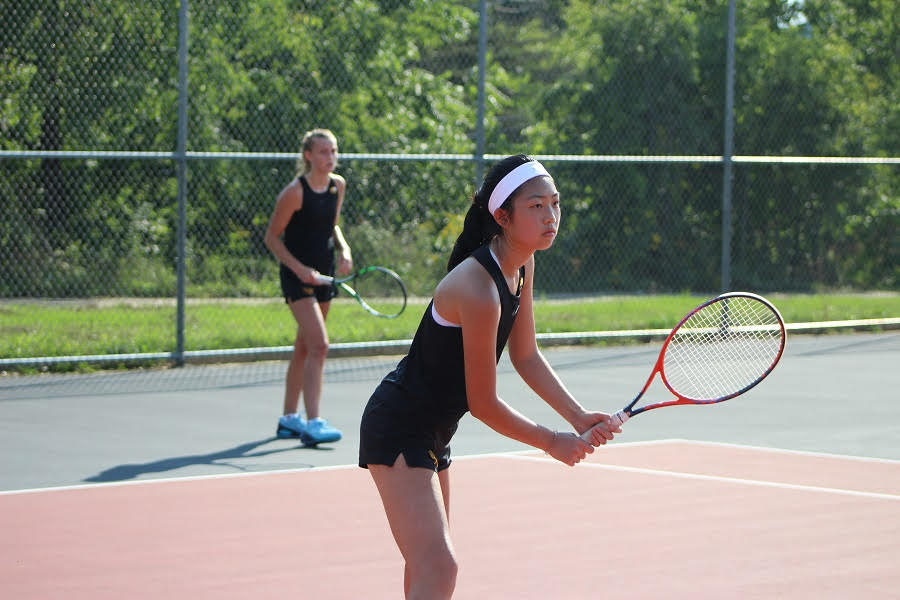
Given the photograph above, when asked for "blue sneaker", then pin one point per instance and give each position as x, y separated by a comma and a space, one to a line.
291, 426
318, 431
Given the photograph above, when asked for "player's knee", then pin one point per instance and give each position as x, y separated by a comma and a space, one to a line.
317, 349
437, 572
449, 579
448, 568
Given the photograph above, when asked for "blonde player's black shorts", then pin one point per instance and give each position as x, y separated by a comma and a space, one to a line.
394, 423
293, 289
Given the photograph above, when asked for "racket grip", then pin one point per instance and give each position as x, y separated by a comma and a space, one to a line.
615, 420
324, 279
619, 418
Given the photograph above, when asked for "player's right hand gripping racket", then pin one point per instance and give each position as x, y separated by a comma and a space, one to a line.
720, 350
379, 290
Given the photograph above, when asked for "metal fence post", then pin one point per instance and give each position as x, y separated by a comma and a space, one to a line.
479, 119
181, 171
727, 152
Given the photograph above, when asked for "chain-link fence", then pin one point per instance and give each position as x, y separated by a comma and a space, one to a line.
623, 101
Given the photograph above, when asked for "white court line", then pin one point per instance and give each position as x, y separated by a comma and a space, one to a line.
106, 484
721, 479
82, 486
526, 454
889, 461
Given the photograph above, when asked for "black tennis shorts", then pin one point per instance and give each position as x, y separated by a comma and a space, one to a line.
293, 289
393, 423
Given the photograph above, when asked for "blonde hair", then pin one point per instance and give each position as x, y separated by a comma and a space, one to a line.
309, 138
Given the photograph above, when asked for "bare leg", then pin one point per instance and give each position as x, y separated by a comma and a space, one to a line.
415, 502
444, 479
307, 365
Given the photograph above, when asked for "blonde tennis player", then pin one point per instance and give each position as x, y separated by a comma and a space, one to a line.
303, 234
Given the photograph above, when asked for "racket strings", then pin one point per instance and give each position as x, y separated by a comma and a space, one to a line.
723, 348
380, 292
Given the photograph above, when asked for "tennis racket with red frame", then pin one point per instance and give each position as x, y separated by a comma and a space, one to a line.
719, 350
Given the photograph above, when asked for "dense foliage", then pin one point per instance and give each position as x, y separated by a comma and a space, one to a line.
572, 77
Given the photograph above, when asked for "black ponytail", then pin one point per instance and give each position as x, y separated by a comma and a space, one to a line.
479, 226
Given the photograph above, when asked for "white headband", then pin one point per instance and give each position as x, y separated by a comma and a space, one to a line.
513, 180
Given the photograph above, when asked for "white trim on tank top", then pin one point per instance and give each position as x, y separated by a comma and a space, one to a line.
441, 320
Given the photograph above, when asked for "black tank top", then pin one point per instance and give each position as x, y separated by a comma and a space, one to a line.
433, 373
309, 233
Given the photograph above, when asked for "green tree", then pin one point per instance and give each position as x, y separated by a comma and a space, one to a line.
564, 77
805, 89
371, 72
81, 76
624, 78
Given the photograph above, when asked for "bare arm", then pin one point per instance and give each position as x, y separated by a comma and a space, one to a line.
470, 295
534, 369
531, 364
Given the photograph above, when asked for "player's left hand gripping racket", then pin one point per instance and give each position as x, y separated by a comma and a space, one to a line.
379, 290
719, 350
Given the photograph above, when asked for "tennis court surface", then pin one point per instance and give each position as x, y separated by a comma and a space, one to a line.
792, 492
671, 519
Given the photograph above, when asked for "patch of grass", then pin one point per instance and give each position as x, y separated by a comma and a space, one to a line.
614, 313
72, 328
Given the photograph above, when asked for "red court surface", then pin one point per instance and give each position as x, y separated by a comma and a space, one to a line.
669, 519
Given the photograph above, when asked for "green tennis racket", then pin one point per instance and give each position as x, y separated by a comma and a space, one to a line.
378, 290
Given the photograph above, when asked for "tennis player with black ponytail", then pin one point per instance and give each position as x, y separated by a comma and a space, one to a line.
483, 302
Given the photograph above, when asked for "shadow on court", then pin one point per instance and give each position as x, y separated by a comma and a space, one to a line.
219, 458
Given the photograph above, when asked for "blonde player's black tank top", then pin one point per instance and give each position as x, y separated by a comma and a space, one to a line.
433, 373
308, 235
